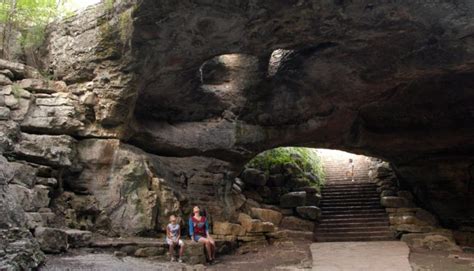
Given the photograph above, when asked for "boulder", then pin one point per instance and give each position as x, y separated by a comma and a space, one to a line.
388, 193
287, 212
4, 113
265, 193
59, 113
384, 169
412, 228
309, 212
267, 215
397, 219
20, 251
310, 190
252, 194
47, 149
275, 169
4, 80
438, 241
254, 177
78, 238
394, 202
194, 253
276, 180
295, 183
7, 73
51, 240
23, 174
226, 228
19, 70
297, 224
34, 220
38, 85
255, 225
293, 199
150, 251
31, 199
426, 217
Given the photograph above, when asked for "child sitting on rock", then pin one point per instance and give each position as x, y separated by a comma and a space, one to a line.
173, 234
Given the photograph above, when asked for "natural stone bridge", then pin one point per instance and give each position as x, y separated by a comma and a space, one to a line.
169, 99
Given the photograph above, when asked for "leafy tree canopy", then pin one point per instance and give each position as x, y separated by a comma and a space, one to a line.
28, 17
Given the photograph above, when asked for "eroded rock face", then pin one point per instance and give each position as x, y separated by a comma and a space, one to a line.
183, 93
373, 78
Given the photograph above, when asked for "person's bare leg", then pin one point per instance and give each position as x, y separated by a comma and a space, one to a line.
207, 244
213, 248
172, 251
181, 251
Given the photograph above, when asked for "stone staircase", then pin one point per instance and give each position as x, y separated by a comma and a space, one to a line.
336, 166
351, 211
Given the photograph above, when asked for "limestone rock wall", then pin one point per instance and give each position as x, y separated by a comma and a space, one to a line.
154, 106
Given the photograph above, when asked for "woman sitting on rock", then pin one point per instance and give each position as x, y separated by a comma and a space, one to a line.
199, 232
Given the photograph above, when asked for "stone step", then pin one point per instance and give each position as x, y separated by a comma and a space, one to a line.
349, 189
382, 237
362, 229
367, 216
355, 233
349, 184
349, 223
349, 196
358, 199
354, 217
350, 203
337, 196
352, 208
132, 241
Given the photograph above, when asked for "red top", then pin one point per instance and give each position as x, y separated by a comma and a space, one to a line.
199, 226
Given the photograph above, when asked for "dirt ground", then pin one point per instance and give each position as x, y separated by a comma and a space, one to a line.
282, 256
442, 261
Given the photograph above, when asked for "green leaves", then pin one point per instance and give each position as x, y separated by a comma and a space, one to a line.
29, 17
306, 159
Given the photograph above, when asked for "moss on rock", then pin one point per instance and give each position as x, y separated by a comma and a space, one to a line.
304, 159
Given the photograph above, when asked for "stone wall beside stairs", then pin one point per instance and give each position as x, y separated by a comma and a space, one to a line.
414, 225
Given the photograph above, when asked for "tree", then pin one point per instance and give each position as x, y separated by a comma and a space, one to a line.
28, 17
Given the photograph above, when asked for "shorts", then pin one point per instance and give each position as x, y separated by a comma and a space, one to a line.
170, 242
197, 237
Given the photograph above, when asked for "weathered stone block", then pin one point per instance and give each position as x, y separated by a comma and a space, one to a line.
47, 149
297, 224
40, 85
276, 180
431, 241
78, 238
394, 202
150, 251
309, 212
4, 113
226, 228
293, 199
267, 215
31, 199
254, 225
254, 177
194, 253
51, 240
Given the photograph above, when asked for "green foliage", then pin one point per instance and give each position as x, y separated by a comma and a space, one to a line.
30, 18
306, 159
16, 91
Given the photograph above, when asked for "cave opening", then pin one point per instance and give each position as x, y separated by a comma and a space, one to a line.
331, 194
